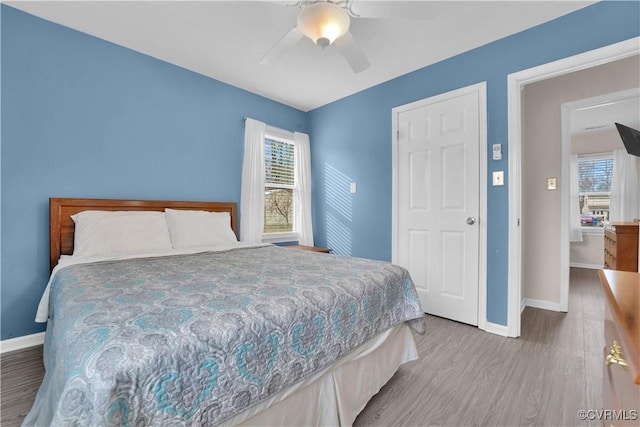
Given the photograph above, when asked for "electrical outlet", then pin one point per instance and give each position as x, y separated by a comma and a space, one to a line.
498, 178
552, 184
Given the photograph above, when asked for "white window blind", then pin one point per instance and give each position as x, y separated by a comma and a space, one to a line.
279, 163
595, 175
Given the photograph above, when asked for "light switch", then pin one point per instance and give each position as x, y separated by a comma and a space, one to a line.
353, 188
552, 184
498, 178
497, 152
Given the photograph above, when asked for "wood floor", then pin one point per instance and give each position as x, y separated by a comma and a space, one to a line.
464, 376
469, 377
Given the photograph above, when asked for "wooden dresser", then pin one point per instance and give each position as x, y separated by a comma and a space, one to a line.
621, 246
621, 364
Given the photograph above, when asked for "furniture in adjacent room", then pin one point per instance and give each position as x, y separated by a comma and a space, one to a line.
621, 364
621, 246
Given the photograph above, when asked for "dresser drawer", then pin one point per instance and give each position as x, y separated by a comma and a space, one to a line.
621, 246
609, 239
620, 394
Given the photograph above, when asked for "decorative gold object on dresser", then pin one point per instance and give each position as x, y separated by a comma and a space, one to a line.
621, 246
621, 358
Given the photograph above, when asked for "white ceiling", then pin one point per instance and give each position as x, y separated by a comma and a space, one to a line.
603, 116
226, 40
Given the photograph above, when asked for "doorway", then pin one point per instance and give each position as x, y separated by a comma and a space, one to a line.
589, 132
439, 201
516, 83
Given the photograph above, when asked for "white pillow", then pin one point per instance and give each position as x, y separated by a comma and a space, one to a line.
115, 232
191, 229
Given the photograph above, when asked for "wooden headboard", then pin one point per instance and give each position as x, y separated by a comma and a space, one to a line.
62, 227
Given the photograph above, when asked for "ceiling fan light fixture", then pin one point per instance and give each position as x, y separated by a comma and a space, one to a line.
323, 22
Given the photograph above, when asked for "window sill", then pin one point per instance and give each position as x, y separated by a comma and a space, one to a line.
279, 237
593, 231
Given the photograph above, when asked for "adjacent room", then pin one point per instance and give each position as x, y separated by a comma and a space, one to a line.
320, 213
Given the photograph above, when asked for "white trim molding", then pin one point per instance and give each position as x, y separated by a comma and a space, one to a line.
545, 305
494, 328
589, 266
593, 231
515, 84
20, 343
280, 237
481, 90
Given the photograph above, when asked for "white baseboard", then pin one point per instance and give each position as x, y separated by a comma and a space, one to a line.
19, 343
590, 266
494, 328
482, 324
523, 305
545, 305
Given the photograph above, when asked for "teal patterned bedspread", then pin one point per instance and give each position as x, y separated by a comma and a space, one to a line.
196, 339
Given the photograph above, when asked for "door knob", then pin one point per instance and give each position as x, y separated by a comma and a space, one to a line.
471, 220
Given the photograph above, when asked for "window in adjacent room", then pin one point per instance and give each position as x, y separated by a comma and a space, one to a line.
594, 179
280, 186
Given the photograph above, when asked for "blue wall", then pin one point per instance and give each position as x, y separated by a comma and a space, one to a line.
82, 117
351, 138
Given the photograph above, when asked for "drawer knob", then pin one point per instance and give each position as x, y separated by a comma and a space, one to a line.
615, 356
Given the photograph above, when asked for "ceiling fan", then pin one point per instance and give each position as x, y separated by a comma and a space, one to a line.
326, 23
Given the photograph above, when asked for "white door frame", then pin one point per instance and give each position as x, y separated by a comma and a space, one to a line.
516, 83
481, 89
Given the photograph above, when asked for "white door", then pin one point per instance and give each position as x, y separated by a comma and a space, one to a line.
438, 201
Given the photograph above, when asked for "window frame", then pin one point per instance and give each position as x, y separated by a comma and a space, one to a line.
281, 135
594, 156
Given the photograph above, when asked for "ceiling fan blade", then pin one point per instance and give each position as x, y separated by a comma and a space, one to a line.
352, 52
287, 41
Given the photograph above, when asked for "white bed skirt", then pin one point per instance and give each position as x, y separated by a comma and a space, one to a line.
336, 395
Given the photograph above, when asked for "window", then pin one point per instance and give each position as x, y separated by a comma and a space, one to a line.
594, 179
280, 186
275, 199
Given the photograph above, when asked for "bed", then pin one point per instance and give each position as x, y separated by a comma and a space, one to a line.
225, 333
